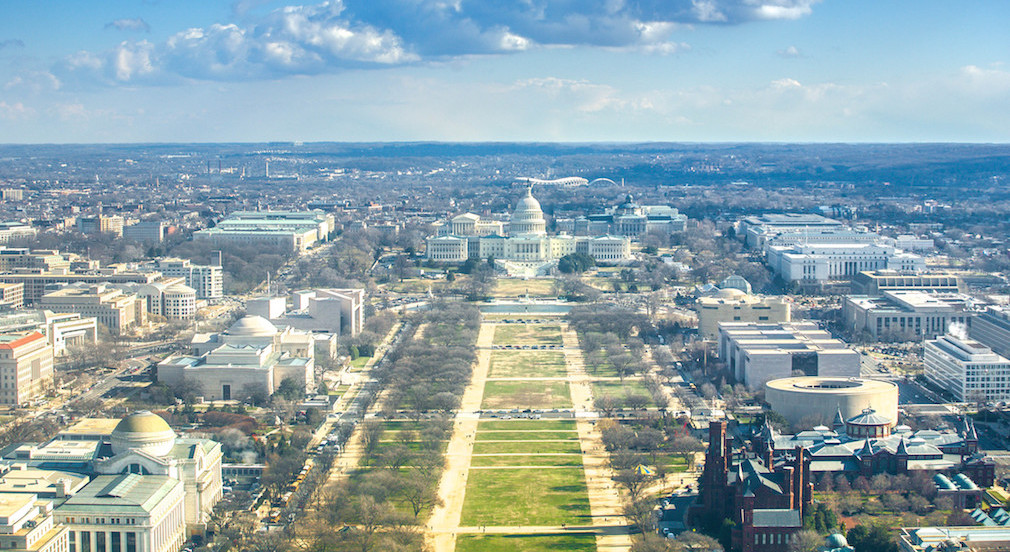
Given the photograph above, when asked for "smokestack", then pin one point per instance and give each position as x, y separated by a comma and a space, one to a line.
787, 480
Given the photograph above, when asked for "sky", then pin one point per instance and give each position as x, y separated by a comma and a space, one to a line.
91, 71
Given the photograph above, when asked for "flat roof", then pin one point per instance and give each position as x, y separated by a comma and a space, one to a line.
92, 426
12, 503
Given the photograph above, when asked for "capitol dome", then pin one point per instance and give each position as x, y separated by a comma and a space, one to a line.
528, 217
144, 431
252, 326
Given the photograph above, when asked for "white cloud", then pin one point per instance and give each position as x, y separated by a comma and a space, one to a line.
790, 52
339, 34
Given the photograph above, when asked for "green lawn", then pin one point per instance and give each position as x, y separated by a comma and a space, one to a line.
526, 394
535, 287
526, 497
583, 542
527, 334
360, 362
574, 460
526, 435
621, 390
534, 447
515, 425
527, 364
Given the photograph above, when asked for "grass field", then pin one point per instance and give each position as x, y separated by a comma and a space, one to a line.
360, 362
524, 447
621, 390
516, 425
526, 497
527, 334
574, 460
526, 543
526, 394
527, 435
537, 287
527, 364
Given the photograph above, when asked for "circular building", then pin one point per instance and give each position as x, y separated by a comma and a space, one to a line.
813, 400
869, 425
143, 430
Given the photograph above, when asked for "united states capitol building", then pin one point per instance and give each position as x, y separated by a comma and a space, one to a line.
520, 246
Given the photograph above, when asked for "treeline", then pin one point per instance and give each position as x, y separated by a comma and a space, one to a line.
430, 371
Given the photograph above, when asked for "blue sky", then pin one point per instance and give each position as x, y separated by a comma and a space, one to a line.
527, 70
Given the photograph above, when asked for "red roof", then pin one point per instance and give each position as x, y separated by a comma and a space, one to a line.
10, 345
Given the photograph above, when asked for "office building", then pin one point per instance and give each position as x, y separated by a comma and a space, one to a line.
206, 280
12, 296
966, 369
118, 311
62, 330
296, 231
101, 224
734, 305
905, 315
13, 231
875, 282
27, 524
979, 538
167, 297
14, 258
758, 352
148, 231
335, 311
757, 230
26, 367
837, 261
992, 328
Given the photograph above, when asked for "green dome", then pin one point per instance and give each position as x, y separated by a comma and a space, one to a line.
143, 421
836, 541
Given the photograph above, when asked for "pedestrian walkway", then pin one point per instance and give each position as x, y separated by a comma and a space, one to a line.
604, 497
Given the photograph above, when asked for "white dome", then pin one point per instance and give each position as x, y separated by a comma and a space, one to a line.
143, 430
528, 218
252, 326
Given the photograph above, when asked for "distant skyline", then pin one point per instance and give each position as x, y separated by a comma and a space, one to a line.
512, 70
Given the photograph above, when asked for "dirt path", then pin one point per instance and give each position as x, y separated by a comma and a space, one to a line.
604, 497
444, 520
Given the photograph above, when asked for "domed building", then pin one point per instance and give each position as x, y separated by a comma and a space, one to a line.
150, 489
251, 356
520, 247
528, 217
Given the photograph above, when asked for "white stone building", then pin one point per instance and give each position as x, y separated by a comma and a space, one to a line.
525, 249
836, 261
966, 369
756, 353
906, 315
27, 525
26, 367
252, 355
733, 305
206, 280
